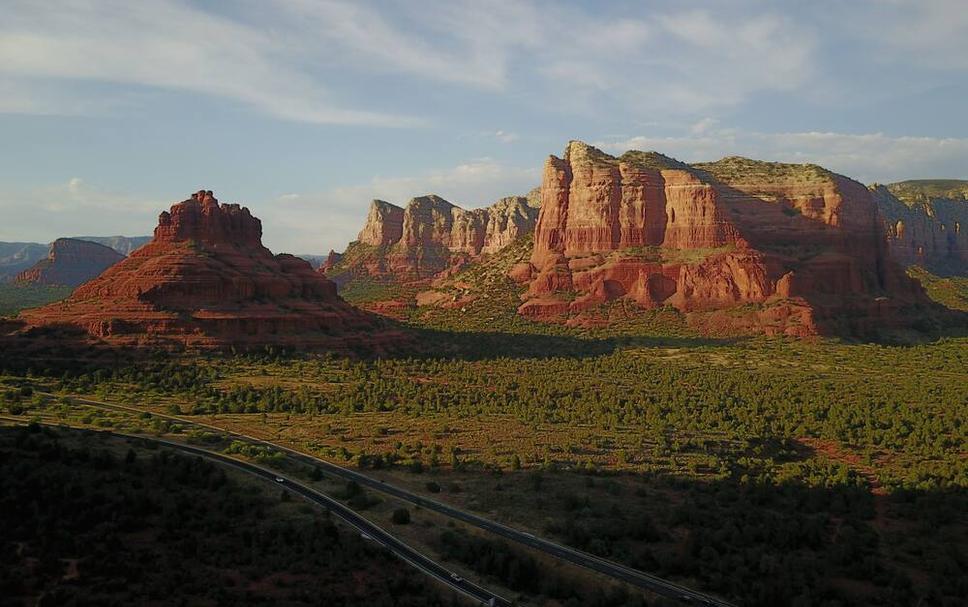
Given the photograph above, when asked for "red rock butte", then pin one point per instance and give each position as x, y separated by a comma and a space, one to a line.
205, 280
70, 262
748, 245
431, 236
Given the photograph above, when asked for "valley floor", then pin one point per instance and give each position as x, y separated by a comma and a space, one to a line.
765, 471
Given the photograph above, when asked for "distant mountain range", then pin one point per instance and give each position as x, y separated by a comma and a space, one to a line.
15, 257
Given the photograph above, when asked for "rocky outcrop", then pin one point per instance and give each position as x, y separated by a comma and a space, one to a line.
205, 280
926, 226
432, 229
432, 235
507, 220
384, 224
330, 262
70, 262
701, 238
592, 203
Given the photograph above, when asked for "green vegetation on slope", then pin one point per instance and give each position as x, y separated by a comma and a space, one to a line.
739, 170
15, 297
950, 291
94, 521
923, 190
652, 160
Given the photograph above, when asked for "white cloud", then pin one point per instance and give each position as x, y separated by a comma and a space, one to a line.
285, 57
165, 44
317, 222
280, 56
867, 157
927, 33
457, 42
506, 137
703, 125
74, 208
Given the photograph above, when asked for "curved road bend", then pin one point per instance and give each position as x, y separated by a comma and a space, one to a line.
635, 577
364, 526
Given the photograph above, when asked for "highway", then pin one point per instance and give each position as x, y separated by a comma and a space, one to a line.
617, 571
370, 530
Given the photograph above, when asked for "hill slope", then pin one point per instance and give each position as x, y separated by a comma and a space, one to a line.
205, 280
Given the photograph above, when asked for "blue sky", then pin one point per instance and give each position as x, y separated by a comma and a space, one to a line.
304, 110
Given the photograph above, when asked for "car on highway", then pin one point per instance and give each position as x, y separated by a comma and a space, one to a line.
456, 578
279, 479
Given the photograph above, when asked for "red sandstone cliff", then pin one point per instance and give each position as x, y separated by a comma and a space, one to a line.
331, 260
70, 262
800, 246
925, 226
431, 235
206, 280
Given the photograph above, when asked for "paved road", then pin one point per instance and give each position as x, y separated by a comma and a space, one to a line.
364, 526
620, 572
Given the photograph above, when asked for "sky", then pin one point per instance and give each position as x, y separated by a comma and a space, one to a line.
305, 110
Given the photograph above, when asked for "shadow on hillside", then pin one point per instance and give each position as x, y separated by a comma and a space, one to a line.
822, 538
53, 351
870, 301
487, 345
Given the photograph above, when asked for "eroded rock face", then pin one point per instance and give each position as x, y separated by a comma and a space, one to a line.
70, 262
706, 237
205, 280
384, 224
331, 260
432, 235
593, 203
507, 220
926, 228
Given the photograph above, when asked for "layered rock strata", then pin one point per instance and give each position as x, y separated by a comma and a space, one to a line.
801, 246
926, 227
432, 235
205, 280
